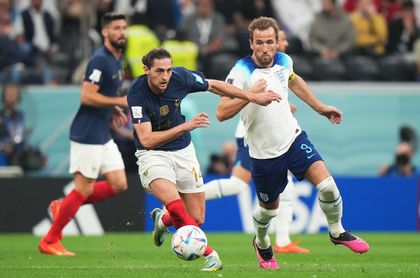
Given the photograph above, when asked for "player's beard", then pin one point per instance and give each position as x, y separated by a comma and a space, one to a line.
264, 61
119, 43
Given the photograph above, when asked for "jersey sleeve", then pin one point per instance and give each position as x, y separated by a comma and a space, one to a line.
290, 66
95, 70
237, 77
137, 106
195, 80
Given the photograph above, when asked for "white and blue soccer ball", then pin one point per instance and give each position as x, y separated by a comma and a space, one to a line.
189, 242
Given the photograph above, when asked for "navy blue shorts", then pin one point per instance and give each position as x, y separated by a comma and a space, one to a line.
242, 155
270, 175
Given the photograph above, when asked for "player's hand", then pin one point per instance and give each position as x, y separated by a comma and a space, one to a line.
200, 120
331, 113
119, 118
264, 99
259, 87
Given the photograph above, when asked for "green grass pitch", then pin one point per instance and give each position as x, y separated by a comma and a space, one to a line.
134, 255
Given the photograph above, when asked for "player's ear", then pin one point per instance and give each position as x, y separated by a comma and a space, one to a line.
250, 44
104, 32
146, 69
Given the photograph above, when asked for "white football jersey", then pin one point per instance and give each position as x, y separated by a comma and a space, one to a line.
270, 130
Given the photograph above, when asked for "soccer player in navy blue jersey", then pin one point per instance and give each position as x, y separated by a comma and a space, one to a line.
92, 150
168, 165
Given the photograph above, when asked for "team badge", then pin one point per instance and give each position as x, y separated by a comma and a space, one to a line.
281, 75
164, 110
146, 173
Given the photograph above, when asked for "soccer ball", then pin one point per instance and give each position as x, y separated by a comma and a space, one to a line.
189, 242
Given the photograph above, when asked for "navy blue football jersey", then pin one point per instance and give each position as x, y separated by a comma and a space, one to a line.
164, 111
91, 124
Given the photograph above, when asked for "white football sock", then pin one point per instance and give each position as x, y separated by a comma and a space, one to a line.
331, 204
262, 218
219, 188
284, 216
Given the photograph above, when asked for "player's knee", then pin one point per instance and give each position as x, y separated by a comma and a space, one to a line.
328, 190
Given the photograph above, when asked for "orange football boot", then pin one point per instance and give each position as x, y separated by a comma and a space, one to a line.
56, 249
291, 248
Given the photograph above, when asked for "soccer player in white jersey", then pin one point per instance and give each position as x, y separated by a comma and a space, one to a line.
276, 142
241, 177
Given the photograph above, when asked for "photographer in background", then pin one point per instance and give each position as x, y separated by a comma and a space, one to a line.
403, 163
14, 146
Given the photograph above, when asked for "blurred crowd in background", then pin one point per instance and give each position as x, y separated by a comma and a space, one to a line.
49, 41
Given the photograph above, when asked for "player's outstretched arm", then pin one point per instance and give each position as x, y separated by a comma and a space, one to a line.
228, 107
153, 139
90, 96
224, 89
301, 89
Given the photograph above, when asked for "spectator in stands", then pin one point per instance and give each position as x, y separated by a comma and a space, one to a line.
351, 5
14, 146
12, 125
11, 55
332, 32
140, 40
184, 52
390, 9
403, 31
222, 164
163, 16
246, 12
229, 152
206, 29
417, 58
296, 17
40, 38
371, 29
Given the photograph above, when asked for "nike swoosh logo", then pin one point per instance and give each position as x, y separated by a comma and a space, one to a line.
311, 155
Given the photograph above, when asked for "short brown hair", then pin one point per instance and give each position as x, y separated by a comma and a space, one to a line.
111, 16
263, 23
156, 53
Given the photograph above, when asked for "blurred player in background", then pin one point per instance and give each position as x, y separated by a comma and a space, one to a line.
278, 145
241, 177
92, 151
168, 166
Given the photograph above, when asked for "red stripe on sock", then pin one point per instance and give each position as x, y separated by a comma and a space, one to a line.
101, 192
179, 214
70, 205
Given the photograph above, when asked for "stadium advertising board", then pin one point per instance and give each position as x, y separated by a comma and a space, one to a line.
370, 204
25, 202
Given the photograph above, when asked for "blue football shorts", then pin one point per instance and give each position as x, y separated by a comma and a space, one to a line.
242, 155
270, 175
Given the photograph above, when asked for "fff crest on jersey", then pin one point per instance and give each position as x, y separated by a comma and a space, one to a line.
164, 110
